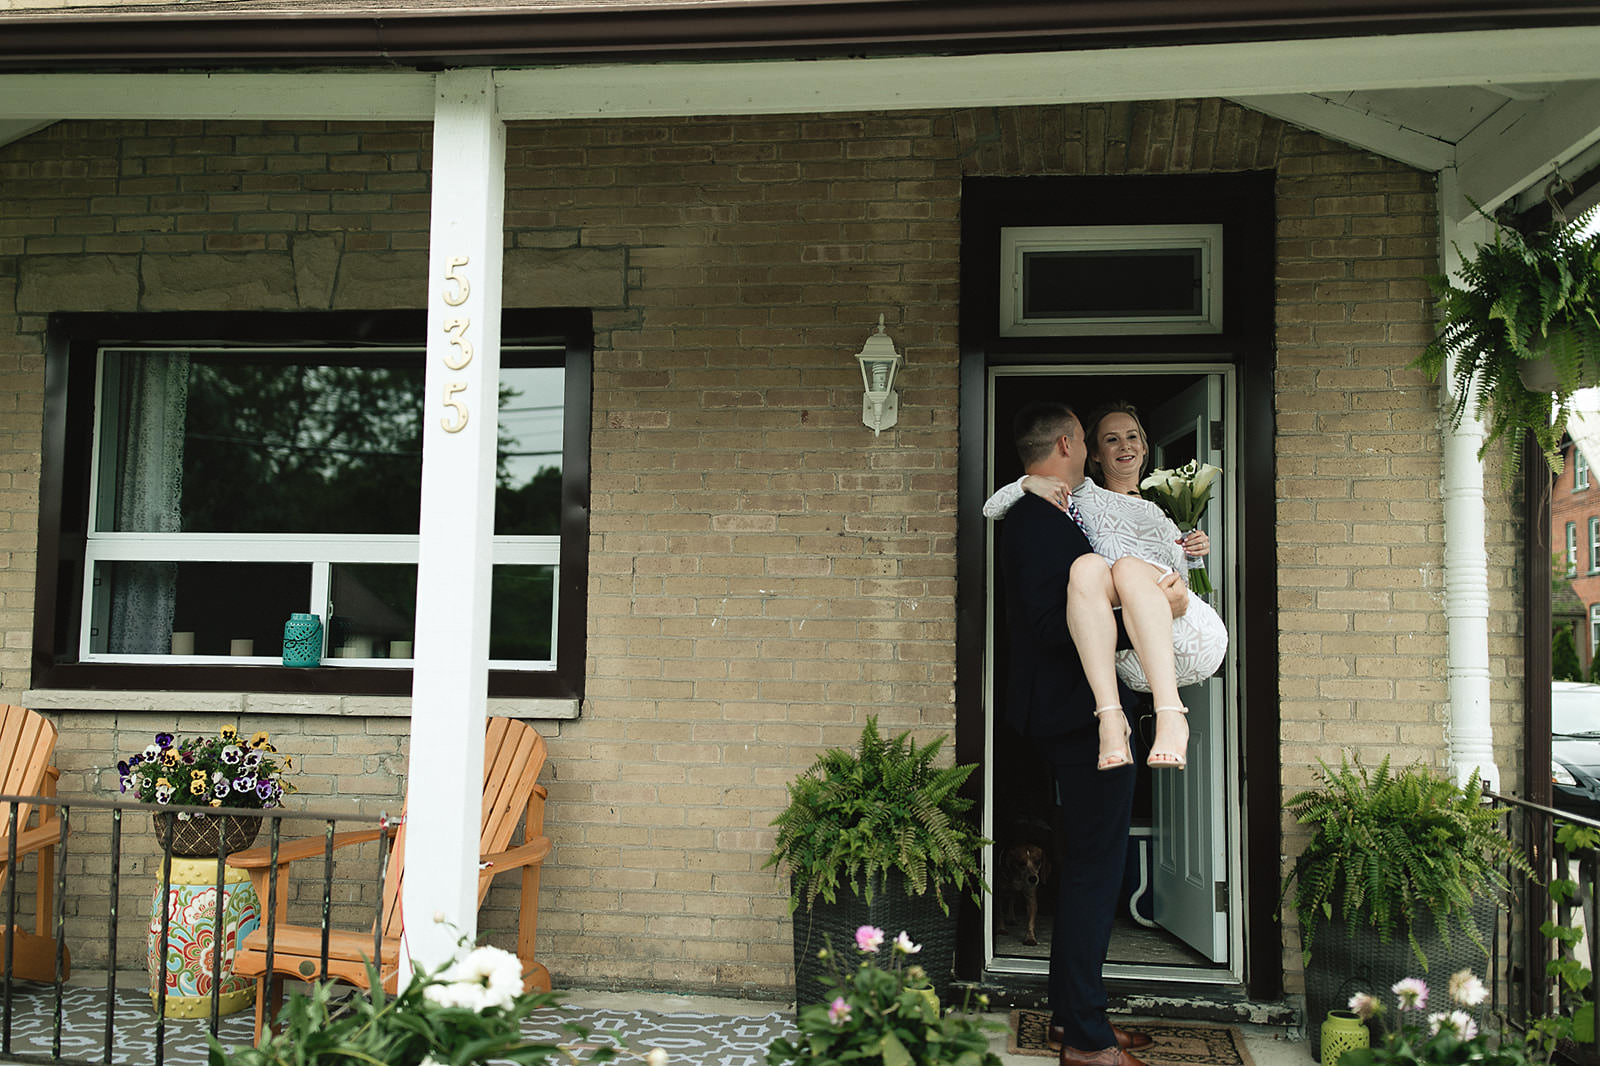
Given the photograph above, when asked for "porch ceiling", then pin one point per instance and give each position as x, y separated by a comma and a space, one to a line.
1500, 106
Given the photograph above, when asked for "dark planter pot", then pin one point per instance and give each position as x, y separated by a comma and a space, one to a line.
196, 837
1345, 961
891, 910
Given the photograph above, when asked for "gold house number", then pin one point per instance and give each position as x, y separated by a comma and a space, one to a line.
455, 294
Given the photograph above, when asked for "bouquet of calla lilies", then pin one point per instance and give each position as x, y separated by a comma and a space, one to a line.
1183, 493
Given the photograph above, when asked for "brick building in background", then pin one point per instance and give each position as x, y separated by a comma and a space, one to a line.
1575, 535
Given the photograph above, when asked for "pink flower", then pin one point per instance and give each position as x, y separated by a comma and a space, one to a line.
1364, 1005
868, 937
839, 1010
1412, 993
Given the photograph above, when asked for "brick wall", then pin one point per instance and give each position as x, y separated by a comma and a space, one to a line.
765, 573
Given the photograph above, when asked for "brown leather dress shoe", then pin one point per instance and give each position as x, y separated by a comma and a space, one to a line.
1127, 1041
1111, 1056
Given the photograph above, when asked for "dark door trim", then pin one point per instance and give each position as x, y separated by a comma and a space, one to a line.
1244, 204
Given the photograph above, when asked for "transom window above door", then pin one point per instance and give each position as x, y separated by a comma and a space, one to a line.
1077, 280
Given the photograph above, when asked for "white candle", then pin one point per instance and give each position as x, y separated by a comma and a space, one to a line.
183, 642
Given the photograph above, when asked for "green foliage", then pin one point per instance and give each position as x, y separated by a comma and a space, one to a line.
855, 817
407, 1029
1525, 297
886, 1016
1387, 847
1564, 664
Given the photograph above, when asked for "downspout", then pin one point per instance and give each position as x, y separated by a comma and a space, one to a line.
1466, 559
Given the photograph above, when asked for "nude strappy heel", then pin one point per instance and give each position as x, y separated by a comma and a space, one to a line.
1111, 760
1166, 759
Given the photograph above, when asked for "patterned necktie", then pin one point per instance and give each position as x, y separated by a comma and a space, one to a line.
1075, 514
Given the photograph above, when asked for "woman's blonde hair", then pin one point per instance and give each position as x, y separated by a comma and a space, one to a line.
1091, 433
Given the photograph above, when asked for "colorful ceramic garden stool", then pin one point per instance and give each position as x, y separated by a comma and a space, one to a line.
191, 906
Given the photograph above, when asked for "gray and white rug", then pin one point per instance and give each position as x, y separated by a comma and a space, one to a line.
691, 1039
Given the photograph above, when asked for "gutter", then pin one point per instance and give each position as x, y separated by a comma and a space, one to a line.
255, 35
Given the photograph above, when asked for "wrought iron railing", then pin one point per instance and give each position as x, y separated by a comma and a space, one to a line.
322, 904
1559, 896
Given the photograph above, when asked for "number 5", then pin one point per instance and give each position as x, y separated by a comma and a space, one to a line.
450, 390
459, 297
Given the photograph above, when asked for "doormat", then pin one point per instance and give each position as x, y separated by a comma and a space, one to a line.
1177, 1043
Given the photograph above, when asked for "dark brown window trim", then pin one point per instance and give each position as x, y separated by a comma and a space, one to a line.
64, 495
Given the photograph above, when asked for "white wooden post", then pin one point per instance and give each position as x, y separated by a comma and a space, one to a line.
449, 689
1466, 559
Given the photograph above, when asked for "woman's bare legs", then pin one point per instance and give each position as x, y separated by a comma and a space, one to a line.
1147, 616
1090, 598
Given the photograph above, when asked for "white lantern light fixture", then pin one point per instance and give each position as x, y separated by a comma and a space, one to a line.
880, 407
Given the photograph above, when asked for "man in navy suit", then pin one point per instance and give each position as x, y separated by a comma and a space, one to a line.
1048, 701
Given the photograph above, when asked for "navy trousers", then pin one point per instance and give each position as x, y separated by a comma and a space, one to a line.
1095, 810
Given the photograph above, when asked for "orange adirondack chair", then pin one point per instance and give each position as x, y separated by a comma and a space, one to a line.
27, 742
513, 755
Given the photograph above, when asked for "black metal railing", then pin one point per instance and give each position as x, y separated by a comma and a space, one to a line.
321, 905
1558, 899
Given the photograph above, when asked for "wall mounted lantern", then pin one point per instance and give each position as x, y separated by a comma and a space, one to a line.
880, 407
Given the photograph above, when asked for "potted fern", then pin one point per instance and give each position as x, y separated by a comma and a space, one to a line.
880, 837
1403, 870
1523, 333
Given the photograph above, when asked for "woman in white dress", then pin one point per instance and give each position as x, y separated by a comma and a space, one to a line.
1135, 544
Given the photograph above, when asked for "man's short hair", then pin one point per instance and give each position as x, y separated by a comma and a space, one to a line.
1037, 426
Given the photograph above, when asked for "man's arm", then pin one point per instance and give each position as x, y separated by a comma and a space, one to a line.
1176, 586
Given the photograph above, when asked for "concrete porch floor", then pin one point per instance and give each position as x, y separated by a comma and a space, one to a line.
694, 1030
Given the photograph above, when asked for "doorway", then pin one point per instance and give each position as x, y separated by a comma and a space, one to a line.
1181, 911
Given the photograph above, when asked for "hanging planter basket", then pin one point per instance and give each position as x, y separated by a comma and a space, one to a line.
196, 837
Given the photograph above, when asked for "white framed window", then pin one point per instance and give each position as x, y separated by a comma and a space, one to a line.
1580, 469
1594, 544
1594, 629
1067, 280
198, 492
1572, 548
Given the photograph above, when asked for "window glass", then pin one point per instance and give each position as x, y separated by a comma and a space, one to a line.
1594, 544
1580, 469
310, 465
1572, 548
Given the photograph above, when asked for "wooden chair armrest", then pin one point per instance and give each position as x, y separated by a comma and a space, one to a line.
260, 858
40, 836
530, 854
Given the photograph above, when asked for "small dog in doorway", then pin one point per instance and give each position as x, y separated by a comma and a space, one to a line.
1023, 870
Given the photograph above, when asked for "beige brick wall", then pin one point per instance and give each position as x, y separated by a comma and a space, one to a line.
765, 573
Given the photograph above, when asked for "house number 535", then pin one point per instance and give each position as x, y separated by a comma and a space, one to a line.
455, 294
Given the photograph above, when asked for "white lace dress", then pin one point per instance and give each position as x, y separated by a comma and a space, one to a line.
1119, 525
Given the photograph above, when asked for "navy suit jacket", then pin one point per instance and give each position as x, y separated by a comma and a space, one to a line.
1046, 693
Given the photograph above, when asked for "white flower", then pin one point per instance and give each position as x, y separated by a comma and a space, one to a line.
657, 1057
1458, 1020
1364, 1005
903, 944
457, 994
1466, 989
493, 974
1412, 993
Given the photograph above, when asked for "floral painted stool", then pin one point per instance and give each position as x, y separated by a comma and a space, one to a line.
191, 936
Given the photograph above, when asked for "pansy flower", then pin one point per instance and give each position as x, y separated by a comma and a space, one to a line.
164, 740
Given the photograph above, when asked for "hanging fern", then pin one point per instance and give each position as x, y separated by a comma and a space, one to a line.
1387, 848
853, 818
1524, 298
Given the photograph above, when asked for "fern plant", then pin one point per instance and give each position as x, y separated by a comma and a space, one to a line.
853, 817
1387, 848
1525, 298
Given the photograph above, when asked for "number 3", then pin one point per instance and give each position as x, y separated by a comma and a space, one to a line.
457, 328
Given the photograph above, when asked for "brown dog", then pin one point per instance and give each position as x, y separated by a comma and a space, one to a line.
1023, 869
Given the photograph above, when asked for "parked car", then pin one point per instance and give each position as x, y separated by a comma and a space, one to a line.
1575, 747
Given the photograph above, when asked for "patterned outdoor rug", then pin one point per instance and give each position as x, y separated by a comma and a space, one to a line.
691, 1039
1179, 1043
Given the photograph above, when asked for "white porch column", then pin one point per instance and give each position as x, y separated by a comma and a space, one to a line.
450, 683
1466, 561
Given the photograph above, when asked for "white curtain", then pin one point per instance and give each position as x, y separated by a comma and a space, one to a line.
153, 405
